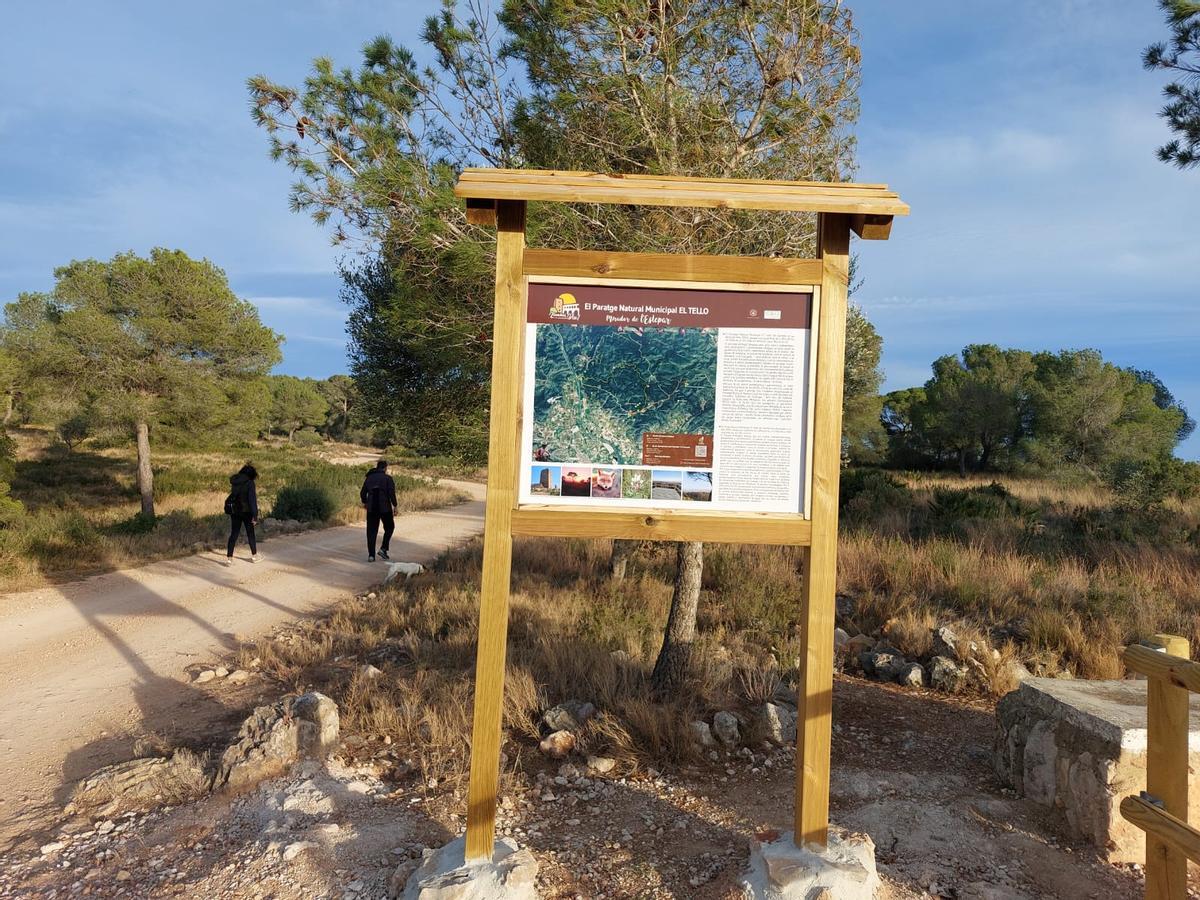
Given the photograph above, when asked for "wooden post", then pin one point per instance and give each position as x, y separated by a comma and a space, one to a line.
1167, 773
503, 445
815, 700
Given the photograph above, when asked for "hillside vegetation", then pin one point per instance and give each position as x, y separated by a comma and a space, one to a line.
82, 512
1059, 579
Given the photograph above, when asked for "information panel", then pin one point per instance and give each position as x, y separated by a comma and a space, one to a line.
666, 397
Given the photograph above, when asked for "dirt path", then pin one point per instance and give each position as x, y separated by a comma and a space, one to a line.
82, 665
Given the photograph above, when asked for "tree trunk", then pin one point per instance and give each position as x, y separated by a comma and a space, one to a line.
621, 551
674, 659
962, 462
8, 408
145, 475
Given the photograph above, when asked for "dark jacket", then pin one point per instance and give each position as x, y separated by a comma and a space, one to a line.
378, 492
243, 495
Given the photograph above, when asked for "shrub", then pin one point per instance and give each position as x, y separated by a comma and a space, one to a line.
1145, 484
306, 438
138, 523
993, 501
75, 430
866, 493
305, 503
10, 509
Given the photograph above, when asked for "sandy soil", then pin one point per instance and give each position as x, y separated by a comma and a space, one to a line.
84, 665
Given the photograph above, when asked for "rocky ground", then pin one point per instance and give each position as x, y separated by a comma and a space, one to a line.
911, 769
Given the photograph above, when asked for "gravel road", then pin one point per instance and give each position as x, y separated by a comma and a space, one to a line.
83, 665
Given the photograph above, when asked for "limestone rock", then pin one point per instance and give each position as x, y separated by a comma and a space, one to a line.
601, 764
702, 734
444, 874
845, 869
557, 744
238, 676
912, 675
725, 727
947, 675
778, 723
840, 639
294, 849
205, 676
273, 737
147, 781
945, 643
885, 665
571, 715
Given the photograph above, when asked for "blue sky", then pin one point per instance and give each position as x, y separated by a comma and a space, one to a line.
1022, 134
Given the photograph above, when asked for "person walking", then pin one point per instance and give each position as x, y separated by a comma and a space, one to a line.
378, 496
242, 508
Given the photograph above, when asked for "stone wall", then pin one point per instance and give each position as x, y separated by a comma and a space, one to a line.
1080, 747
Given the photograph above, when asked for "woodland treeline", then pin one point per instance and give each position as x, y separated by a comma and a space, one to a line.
1069, 414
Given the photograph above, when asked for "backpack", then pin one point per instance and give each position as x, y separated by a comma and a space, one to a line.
233, 503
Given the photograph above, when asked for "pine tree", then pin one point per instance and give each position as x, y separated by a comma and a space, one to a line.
1180, 55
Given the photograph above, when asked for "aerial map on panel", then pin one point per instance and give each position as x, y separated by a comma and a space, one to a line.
598, 389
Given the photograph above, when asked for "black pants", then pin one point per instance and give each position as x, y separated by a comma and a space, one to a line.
389, 525
235, 527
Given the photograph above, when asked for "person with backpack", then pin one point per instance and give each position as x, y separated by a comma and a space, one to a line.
242, 508
378, 496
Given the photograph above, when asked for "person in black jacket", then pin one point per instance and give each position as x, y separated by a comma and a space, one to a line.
378, 495
242, 507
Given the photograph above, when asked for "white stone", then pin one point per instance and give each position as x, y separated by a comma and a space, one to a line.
205, 676
291, 851
601, 764
702, 734
238, 676
845, 869
725, 727
445, 875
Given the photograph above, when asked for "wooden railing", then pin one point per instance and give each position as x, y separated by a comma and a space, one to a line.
1162, 809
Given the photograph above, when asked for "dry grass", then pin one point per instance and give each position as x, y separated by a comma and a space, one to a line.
572, 635
1062, 570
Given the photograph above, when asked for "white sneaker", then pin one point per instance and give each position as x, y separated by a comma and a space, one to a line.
254, 557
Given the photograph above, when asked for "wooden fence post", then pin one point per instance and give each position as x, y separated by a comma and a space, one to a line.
1167, 721
814, 706
503, 445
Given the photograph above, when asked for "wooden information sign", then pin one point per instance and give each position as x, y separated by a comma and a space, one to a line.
723, 423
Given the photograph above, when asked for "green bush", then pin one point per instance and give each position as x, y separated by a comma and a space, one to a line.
138, 523
305, 503
10, 509
307, 438
1145, 484
866, 493
993, 501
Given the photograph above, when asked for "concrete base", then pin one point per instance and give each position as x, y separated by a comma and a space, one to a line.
444, 875
1080, 747
845, 870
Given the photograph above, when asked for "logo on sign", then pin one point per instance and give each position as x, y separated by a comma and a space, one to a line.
565, 307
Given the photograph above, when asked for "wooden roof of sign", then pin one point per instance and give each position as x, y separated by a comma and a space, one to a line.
870, 206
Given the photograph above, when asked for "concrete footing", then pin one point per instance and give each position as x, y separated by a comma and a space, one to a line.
445, 875
844, 870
